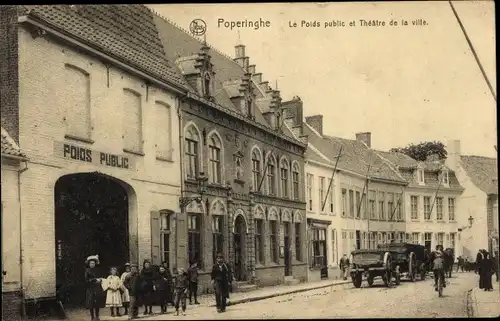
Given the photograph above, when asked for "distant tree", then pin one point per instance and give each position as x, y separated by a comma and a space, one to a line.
421, 151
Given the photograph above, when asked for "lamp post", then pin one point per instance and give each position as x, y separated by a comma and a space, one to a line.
471, 221
184, 201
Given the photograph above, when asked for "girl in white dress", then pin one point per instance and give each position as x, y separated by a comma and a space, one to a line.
114, 288
125, 295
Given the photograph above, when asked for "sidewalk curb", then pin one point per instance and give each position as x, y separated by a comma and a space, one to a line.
268, 296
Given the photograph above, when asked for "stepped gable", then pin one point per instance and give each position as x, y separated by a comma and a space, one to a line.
179, 43
125, 32
483, 172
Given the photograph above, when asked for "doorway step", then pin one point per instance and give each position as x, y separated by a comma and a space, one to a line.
244, 286
290, 280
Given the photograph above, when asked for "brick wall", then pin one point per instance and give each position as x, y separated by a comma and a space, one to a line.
9, 82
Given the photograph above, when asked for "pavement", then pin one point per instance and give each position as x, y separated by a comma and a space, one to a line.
485, 304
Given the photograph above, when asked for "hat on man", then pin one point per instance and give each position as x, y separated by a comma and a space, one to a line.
94, 258
127, 264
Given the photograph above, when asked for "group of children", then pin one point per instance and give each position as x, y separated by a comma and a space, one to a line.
153, 285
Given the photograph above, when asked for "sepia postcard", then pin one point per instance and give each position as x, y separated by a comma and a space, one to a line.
249, 161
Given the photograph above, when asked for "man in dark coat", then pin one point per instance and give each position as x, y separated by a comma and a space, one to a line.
220, 281
487, 272
344, 266
133, 283
193, 282
148, 276
479, 259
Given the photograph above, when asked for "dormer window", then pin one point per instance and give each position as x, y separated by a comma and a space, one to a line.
206, 85
445, 178
420, 176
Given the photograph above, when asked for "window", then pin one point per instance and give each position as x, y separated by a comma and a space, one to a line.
452, 241
390, 207
165, 237
420, 176
439, 208
399, 210
298, 252
414, 207
351, 203
192, 157
321, 188
402, 236
163, 137
330, 196
391, 236
363, 206
428, 241
415, 238
217, 236
440, 238
358, 204
284, 178
256, 170
259, 245
371, 205
427, 208
381, 207
384, 237
451, 209
271, 179
132, 121
373, 240
194, 238
77, 113
445, 178
365, 240
295, 181
310, 180
344, 202
274, 240
214, 147
319, 248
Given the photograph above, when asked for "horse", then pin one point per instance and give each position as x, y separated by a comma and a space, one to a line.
449, 260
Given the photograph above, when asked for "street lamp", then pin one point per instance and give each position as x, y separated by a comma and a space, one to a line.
471, 220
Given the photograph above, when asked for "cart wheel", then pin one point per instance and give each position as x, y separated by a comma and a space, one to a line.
357, 280
370, 280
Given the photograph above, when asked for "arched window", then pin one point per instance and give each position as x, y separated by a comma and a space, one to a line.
256, 169
271, 175
192, 157
295, 181
215, 169
284, 178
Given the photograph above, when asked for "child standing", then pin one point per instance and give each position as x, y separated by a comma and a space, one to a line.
114, 288
126, 294
181, 284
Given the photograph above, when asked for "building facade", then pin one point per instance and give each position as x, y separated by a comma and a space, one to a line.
253, 209
479, 177
431, 201
98, 120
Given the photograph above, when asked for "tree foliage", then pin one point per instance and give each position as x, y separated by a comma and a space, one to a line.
421, 151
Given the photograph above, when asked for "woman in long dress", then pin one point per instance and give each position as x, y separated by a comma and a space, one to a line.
126, 294
487, 271
148, 276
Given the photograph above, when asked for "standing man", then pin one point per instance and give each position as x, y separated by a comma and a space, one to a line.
344, 266
220, 282
460, 263
193, 282
133, 284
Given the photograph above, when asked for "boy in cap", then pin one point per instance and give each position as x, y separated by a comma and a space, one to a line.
181, 284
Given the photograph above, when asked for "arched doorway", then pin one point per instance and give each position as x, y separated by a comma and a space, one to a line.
91, 217
239, 238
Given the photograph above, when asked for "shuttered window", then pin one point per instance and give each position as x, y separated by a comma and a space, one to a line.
132, 121
163, 131
77, 92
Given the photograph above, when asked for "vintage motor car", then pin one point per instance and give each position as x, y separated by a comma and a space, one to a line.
411, 259
369, 264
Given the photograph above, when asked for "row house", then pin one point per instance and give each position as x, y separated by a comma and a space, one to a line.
479, 177
431, 200
361, 208
232, 133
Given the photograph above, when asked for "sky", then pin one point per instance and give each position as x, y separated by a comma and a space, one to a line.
404, 84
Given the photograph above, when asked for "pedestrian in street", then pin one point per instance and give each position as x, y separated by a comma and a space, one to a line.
170, 283
460, 263
487, 272
344, 266
114, 288
193, 282
220, 281
496, 266
125, 294
479, 259
133, 284
181, 284
94, 294
147, 286
163, 288
438, 266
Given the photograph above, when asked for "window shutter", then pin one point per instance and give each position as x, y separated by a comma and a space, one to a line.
155, 237
182, 245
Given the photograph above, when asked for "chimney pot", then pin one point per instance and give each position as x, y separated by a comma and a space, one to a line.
251, 69
316, 122
257, 77
365, 138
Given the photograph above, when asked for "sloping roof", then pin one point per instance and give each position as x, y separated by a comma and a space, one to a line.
399, 159
9, 146
356, 156
483, 172
126, 32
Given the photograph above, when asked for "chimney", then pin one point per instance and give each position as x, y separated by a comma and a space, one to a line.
453, 157
316, 122
251, 69
264, 86
257, 77
246, 62
239, 51
365, 138
293, 109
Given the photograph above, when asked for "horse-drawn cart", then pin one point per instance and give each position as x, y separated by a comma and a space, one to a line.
369, 264
411, 258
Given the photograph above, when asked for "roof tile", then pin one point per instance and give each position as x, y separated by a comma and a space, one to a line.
483, 171
9, 146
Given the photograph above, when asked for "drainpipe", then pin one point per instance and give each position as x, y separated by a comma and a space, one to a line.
179, 101
21, 265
